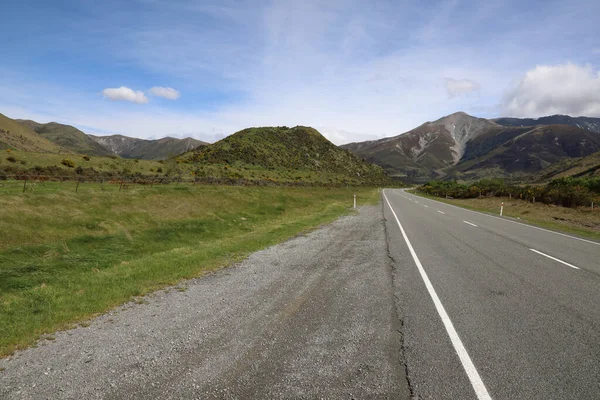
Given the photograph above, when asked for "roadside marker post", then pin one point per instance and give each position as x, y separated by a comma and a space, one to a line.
501, 208
354, 201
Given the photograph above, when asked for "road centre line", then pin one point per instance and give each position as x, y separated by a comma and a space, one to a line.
441, 212
555, 259
520, 223
467, 363
470, 223
425, 206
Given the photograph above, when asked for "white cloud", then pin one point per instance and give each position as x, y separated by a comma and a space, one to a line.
166, 92
556, 89
459, 87
126, 94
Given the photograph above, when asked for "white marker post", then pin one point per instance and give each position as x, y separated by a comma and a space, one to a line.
501, 208
354, 201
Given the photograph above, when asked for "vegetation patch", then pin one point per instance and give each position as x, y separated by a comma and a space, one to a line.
66, 256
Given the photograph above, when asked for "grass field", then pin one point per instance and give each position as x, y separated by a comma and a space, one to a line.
66, 256
580, 221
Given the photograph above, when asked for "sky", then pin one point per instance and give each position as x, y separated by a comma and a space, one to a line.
355, 70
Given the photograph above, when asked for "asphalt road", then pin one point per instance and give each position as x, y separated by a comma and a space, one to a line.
410, 299
529, 325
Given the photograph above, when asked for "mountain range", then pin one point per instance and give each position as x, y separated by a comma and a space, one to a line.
460, 146
457, 146
159, 149
58, 138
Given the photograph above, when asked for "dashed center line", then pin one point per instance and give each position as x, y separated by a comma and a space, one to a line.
425, 206
470, 223
441, 212
555, 259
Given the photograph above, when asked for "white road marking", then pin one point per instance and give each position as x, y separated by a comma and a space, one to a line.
467, 363
425, 206
555, 259
520, 223
441, 212
467, 222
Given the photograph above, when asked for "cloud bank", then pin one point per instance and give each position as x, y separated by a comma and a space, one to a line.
166, 92
124, 93
556, 89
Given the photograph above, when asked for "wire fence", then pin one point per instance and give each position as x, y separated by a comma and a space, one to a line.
22, 183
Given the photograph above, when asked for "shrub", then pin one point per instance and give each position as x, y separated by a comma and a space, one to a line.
79, 170
68, 163
159, 169
11, 159
86, 158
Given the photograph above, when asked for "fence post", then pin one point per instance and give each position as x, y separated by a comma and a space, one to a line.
77, 187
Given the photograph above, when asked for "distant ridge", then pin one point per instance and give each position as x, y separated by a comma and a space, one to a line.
587, 123
159, 149
16, 136
67, 136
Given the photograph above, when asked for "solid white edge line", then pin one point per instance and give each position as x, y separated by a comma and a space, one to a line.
470, 223
514, 222
467, 363
555, 259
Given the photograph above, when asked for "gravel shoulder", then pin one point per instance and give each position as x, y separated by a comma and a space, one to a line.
313, 317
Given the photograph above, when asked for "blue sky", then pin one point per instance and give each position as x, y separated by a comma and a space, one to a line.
355, 70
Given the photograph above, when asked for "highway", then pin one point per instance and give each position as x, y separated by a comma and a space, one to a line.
491, 308
409, 299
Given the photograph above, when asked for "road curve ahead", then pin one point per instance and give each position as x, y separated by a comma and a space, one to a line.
491, 308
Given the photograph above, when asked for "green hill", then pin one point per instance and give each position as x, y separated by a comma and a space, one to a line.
299, 152
572, 167
13, 135
68, 137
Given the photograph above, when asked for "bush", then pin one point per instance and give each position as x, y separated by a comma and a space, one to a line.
11, 159
86, 158
68, 163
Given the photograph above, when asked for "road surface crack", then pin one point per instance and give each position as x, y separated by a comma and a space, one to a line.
400, 321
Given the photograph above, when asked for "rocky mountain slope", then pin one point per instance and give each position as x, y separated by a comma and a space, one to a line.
159, 149
425, 151
464, 147
67, 136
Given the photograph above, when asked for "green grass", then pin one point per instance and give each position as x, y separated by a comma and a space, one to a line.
580, 222
66, 256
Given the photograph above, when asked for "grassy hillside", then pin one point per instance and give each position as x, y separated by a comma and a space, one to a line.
293, 153
31, 163
67, 136
526, 154
66, 256
13, 135
574, 167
